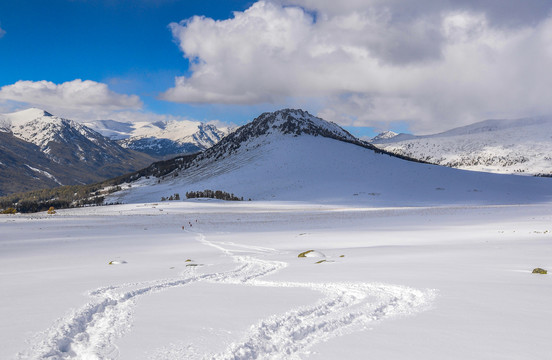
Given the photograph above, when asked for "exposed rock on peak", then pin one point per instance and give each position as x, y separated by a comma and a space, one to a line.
290, 122
295, 122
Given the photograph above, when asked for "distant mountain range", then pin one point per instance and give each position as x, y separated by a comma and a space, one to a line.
522, 146
40, 150
271, 157
294, 156
161, 139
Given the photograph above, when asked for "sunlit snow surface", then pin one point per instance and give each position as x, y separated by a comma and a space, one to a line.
208, 279
322, 170
499, 146
415, 262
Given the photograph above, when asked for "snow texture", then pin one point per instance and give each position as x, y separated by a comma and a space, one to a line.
501, 146
162, 137
421, 261
424, 281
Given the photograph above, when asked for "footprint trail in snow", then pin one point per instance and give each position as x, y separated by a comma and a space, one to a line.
91, 331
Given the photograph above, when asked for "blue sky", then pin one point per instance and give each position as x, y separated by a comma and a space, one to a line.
125, 44
423, 66
60, 40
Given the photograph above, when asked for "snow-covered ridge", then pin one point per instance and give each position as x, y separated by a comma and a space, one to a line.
39, 127
384, 136
493, 125
296, 122
286, 122
503, 146
163, 137
23, 116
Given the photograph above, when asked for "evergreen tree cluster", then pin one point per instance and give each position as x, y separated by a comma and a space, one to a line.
59, 198
69, 196
176, 196
217, 194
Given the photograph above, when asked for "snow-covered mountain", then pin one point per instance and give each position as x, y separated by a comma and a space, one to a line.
386, 135
522, 146
390, 136
292, 155
24, 167
229, 280
162, 138
70, 153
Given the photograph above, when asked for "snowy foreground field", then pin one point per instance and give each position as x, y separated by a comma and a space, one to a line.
397, 283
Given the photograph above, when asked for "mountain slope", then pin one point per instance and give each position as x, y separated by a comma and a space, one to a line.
501, 146
291, 155
23, 166
70, 152
161, 139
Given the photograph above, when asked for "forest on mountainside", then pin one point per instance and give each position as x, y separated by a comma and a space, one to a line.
85, 195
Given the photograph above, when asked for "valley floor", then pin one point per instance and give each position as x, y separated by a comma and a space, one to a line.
210, 279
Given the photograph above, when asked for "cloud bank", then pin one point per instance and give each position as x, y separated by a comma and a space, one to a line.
76, 98
434, 64
81, 101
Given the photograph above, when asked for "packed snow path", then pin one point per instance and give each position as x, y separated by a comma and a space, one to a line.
91, 331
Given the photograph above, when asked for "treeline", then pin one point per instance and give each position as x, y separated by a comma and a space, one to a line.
69, 196
59, 198
217, 194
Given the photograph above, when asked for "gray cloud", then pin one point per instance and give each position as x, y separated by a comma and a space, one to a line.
500, 13
435, 64
2, 32
508, 13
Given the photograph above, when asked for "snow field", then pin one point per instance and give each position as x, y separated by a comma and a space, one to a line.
461, 274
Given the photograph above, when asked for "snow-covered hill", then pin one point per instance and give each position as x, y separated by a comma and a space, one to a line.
71, 152
522, 146
404, 269
162, 138
292, 155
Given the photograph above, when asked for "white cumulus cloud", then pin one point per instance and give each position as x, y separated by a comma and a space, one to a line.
72, 97
434, 64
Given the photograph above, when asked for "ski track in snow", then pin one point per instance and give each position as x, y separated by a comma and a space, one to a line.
91, 331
